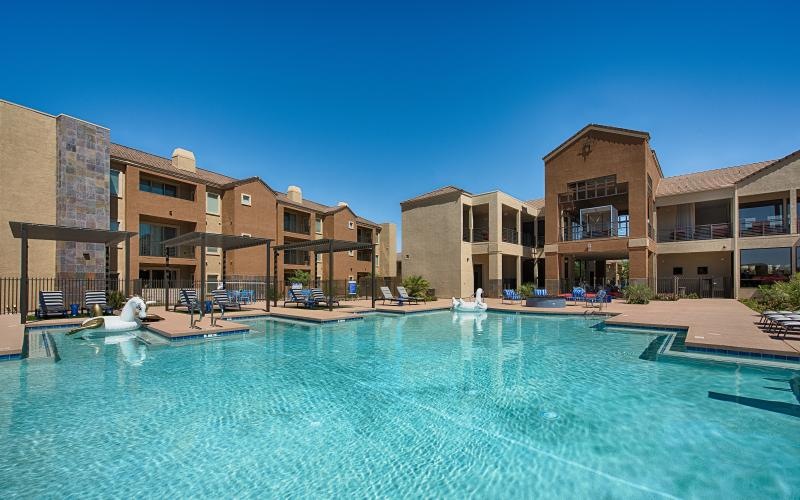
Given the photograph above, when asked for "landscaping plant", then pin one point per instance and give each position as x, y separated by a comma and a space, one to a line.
638, 294
416, 286
526, 290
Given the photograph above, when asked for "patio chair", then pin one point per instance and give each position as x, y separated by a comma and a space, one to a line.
598, 299
225, 301
540, 292
317, 297
578, 294
401, 291
93, 298
51, 303
511, 295
188, 299
387, 295
295, 297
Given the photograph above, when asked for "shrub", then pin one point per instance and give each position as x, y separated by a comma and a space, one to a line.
691, 296
780, 295
302, 277
526, 290
416, 286
666, 296
638, 294
116, 299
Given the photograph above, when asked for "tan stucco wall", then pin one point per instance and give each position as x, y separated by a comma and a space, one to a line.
387, 250
772, 181
27, 145
718, 263
432, 245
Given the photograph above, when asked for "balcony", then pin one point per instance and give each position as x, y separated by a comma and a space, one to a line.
510, 235
465, 234
295, 257
694, 233
156, 249
763, 227
299, 227
480, 234
589, 231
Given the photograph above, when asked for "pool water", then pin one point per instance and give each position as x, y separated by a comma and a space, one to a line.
429, 405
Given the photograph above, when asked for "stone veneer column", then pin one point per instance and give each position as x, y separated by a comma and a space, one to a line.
82, 194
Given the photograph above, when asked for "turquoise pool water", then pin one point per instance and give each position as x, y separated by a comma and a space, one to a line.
418, 406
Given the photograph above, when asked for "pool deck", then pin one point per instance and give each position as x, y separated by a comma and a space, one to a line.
710, 323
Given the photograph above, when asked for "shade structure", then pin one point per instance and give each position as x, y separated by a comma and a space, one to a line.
330, 246
225, 242
25, 231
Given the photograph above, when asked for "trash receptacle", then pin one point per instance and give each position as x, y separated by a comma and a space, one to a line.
208, 306
74, 309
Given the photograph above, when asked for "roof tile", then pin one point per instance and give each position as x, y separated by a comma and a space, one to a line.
708, 180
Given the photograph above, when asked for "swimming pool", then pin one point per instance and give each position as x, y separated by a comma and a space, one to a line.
427, 405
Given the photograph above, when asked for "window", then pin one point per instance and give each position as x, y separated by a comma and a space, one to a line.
350, 253
702, 270
319, 258
246, 200
158, 187
212, 280
212, 250
151, 236
677, 271
115, 182
318, 226
296, 222
212, 203
351, 225
759, 266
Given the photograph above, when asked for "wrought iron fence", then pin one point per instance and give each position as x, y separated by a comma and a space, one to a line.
510, 235
705, 287
691, 233
763, 227
588, 231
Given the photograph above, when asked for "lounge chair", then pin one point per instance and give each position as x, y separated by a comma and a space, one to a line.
52, 304
401, 291
387, 295
317, 297
295, 297
598, 299
188, 299
225, 301
96, 298
511, 295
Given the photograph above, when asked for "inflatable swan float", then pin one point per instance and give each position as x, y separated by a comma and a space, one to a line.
130, 318
478, 305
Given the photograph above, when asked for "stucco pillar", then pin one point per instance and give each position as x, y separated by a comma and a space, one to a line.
552, 271
519, 230
735, 242
793, 210
638, 266
519, 271
495, 221
471, 223
495, 274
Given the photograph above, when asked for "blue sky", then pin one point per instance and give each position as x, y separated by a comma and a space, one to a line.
373, 103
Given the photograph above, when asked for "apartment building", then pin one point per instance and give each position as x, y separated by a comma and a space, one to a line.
610, 217
62, 170
461, 241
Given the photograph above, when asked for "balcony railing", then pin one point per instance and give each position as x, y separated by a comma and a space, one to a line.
297, 227
763, 227
156, 249
593, 231
692, 233
480, 234
296, 257
510, 235
529, 240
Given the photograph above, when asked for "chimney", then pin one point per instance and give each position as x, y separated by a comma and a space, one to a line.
183, 160
295, 194
342, 204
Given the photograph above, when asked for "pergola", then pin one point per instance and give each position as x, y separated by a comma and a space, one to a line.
31, 231
329, 246
225, 242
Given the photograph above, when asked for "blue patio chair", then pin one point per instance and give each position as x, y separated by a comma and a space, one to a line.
225, 301
52, 304
540, 292
93, 298
598, 299
295, 296
511, 295
578, 294
317, 297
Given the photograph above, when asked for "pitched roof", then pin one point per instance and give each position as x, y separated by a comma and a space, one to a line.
436, 192
708, 180
600, 128
536, 204
155, 162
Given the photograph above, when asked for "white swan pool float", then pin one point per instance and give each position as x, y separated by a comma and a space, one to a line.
130, 318
477, 306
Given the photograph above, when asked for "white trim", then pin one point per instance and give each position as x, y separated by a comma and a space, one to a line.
351, 225
247, 200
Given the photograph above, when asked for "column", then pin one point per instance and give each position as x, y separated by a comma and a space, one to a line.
793, 211
471, 223
519, 271
519, 227
735, 279
495, 275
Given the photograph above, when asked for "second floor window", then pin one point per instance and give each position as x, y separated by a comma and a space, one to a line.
114, 182
158, 187
295, 223
318, 225
212, 203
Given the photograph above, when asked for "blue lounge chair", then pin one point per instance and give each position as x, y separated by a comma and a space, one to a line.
225, 301
317, 297
295, 297
188, 299
578, 294
387, 295
540, 292
52, 304
511, 295
404, 296
93, 298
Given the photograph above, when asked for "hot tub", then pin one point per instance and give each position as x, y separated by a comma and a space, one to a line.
549, 301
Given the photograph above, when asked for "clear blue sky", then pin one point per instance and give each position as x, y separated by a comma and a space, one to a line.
373, 103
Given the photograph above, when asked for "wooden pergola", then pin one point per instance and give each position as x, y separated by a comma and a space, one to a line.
31, 231
330, 247
225, 242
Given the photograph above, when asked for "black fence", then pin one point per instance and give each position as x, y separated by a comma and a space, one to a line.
253, 288
705, 287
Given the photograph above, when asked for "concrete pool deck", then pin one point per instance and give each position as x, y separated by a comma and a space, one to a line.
710, 323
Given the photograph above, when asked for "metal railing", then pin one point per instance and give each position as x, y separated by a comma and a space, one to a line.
692, 233
704, 287
510, 235
592, 231
297, 257
480, 234
297, 227
763, 227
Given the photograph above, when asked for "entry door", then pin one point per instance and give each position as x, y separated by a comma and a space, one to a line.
477, 276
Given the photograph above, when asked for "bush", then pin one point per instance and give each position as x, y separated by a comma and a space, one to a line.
526, 290
666, 296
638, 294
780, 295
416, 286
691, 296
301, 277
116, 299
